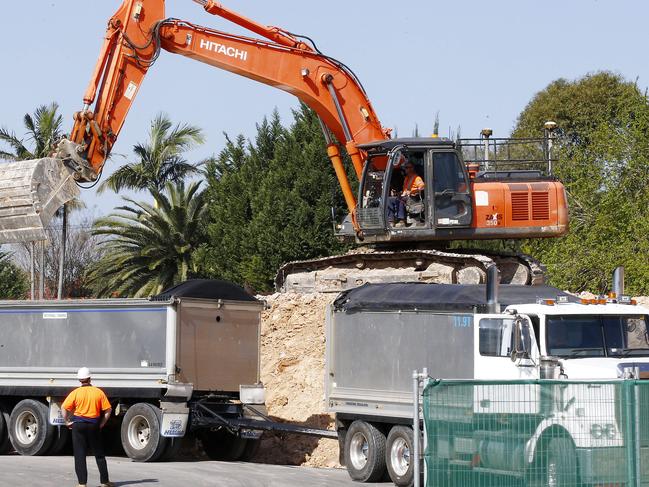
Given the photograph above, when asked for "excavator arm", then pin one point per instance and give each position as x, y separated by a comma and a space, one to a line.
139, 31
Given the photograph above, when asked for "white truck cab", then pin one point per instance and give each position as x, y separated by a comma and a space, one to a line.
590, 339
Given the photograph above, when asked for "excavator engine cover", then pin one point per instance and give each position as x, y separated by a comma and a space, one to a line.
30, 194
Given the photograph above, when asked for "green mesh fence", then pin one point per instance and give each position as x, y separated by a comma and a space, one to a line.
536, 433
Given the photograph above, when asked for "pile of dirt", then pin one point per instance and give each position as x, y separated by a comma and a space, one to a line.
292, 369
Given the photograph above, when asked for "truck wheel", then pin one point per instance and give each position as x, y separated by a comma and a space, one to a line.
5, 444
365, 452
29, 429
398, 451
61, 439
172, 449
561, 465
250, 450
140, 433
222, 445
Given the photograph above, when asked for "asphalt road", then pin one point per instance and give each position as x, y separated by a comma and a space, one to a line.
59, 471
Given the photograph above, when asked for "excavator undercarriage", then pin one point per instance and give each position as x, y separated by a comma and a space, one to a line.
375, 265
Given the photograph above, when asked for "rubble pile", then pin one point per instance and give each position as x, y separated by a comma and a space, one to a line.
292, 369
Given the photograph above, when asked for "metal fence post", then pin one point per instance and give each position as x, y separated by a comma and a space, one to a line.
636, 422
415, 428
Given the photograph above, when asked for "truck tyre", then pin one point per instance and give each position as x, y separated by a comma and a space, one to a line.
5, 444
365, 452
171, 450
398, 451
61, 440
561, 464
250, 450
223, 445
29, 429
140, 433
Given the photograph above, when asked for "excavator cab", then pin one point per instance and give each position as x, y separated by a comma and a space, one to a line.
385, 209
472, 189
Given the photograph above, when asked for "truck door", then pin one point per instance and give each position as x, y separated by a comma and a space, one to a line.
451, 191
501, 340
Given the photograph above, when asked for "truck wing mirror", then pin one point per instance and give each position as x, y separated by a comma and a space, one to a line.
521, 340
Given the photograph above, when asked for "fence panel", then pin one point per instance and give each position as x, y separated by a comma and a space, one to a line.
536, 433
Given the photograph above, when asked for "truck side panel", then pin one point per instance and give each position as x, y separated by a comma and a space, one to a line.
371, 356
101, 338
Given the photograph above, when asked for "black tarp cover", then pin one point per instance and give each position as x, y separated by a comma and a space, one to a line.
206, 289
433, 297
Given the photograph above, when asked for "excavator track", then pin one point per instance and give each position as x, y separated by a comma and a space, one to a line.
366, 265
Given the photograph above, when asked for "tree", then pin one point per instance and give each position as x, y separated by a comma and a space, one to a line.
603, 156
14, 283
43, 130
270, 202
148, 248
82, 251
159, 160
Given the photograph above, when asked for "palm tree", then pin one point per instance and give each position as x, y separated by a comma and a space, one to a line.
43, 130
149, 247
159, 160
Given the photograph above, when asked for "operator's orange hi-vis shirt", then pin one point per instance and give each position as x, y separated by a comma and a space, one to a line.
86, 402
414, 184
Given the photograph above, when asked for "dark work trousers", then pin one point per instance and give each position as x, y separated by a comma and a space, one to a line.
84, 436
396, 208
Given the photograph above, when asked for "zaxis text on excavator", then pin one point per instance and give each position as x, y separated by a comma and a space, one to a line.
473, 189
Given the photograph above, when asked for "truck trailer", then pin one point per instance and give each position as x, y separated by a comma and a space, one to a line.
378, 334
186, 361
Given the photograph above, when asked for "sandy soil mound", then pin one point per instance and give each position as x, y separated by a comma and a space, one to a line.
292, 358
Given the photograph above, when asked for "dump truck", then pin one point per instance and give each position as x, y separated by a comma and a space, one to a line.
378, 334
184, 362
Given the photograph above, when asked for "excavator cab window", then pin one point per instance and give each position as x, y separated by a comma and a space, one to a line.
372, 193
452, 198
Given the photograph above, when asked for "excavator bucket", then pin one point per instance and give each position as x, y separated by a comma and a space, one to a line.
30, 194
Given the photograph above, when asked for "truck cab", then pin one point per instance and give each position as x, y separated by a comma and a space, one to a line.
590, 339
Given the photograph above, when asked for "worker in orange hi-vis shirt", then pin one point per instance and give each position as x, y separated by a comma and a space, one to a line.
86, 411
413, 185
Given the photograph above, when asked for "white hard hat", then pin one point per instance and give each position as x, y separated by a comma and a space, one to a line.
83, 373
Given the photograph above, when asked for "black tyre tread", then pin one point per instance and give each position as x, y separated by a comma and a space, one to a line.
153, 415
222, 445
61, 438
564, 451
47, 432
375, 468
250, 450
399, 432
171, 450
5, 442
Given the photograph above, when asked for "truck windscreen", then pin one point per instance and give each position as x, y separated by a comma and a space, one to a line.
597, 336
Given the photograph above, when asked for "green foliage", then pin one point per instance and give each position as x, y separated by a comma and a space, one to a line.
14, 283
270, 202
603, 160
43, 130
160, 159
148, 248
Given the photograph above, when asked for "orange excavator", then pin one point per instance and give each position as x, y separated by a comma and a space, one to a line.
472, 189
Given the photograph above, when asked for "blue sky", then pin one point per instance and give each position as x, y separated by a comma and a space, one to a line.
477, 63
